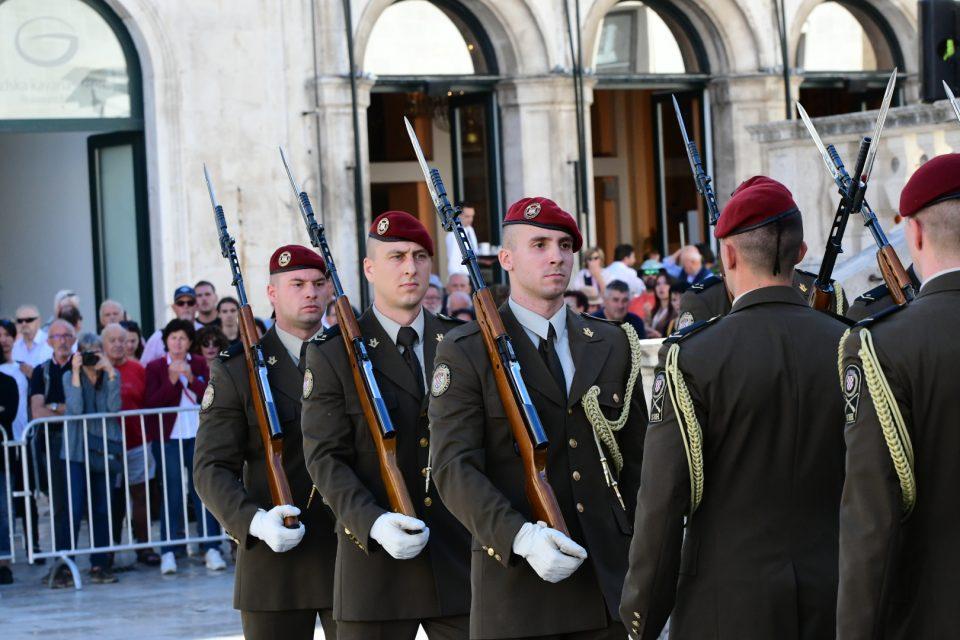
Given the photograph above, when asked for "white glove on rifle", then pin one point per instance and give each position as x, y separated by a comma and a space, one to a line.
401, 536
552, 555
268, 526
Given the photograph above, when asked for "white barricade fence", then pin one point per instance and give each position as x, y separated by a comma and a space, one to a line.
111, 482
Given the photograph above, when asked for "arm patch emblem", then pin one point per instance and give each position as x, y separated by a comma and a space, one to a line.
659, 392
852, 379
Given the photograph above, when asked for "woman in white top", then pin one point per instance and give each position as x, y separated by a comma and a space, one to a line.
8, 334
592, 273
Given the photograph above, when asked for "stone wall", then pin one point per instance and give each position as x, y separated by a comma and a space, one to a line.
912, 135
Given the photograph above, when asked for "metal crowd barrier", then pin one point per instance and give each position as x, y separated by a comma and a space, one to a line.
7, 496
70, 476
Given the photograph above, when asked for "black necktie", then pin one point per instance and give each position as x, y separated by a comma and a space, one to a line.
548, 352
302, 363
406, 338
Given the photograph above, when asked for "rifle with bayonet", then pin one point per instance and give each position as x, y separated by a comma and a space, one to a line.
371, 400
268, 421
700, 177
896, 277
952, 98
525, 425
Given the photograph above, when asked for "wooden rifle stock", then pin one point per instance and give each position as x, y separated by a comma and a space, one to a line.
896, 277
540, 495
821, 297
397, 493
273, 447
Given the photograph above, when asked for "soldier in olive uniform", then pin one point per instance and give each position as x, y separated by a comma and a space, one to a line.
899, 516
284, 577
394, 572
877, 299
529, 580
745, 440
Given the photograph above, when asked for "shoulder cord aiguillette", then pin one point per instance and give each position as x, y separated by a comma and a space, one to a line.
605, 429
690, 431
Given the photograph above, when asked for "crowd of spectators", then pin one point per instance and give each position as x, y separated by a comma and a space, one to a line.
59, 368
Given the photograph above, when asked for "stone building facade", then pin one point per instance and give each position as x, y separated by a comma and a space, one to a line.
224, 82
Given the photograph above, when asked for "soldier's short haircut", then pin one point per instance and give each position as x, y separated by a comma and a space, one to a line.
777, 243
622, 251
941, 224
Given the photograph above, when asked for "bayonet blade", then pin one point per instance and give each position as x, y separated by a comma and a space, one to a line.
952, 98
293, 181
878, 128
213, 196
683, 132
812, 130
423, 163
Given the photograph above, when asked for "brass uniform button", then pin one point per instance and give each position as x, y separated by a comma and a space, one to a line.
572, 442
497, 557
569, 412
428, 501
580, 507
576, 476
346, 531
491, 552
424, 443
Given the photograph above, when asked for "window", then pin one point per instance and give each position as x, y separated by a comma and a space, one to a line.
635, 39
417, 37
61, 59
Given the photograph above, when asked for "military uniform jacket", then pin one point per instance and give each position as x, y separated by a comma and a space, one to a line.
709, 298
900, 576
759, 559
230, 476
877, 299
479, 474
371, 584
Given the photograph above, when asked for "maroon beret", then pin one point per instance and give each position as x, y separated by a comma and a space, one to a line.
398, 226
546, 214
291, 257
937, 180
757, 202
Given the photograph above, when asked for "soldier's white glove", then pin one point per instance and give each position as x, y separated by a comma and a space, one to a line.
552, 555
401, 536
268, 526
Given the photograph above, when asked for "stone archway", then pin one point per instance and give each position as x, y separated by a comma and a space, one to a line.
514, 31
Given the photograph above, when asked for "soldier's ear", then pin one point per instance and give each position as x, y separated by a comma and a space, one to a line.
728, 255
802, 252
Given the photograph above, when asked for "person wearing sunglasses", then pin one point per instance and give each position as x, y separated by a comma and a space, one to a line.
30, 347
184, 307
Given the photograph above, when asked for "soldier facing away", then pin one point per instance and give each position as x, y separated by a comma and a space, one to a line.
745, 440
899, 517
394, 572
530, 580
284, 576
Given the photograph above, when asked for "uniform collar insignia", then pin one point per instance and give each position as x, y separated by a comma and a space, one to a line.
803, 287
373, 342
272, 360
439, 337
587, 331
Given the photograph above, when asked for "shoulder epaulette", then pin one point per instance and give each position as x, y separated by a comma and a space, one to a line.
706, 283
332, 332
587, 316
445, 317
806, 273
464, 330
682, 334
231, 351
871, 320
874, 294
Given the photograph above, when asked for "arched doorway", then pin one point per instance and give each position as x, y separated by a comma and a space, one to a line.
72, 168
445, 85
845, 54
645, 53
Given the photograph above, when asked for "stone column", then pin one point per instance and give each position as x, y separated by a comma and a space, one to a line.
738, 102
539, 134
336, 162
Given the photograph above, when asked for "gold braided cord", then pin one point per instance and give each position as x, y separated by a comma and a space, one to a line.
838, 293
690, 431
591, 406
840, 347
892, 424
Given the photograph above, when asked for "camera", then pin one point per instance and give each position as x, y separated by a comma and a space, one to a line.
90, 358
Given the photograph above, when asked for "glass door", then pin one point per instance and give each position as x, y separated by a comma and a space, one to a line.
121, 239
